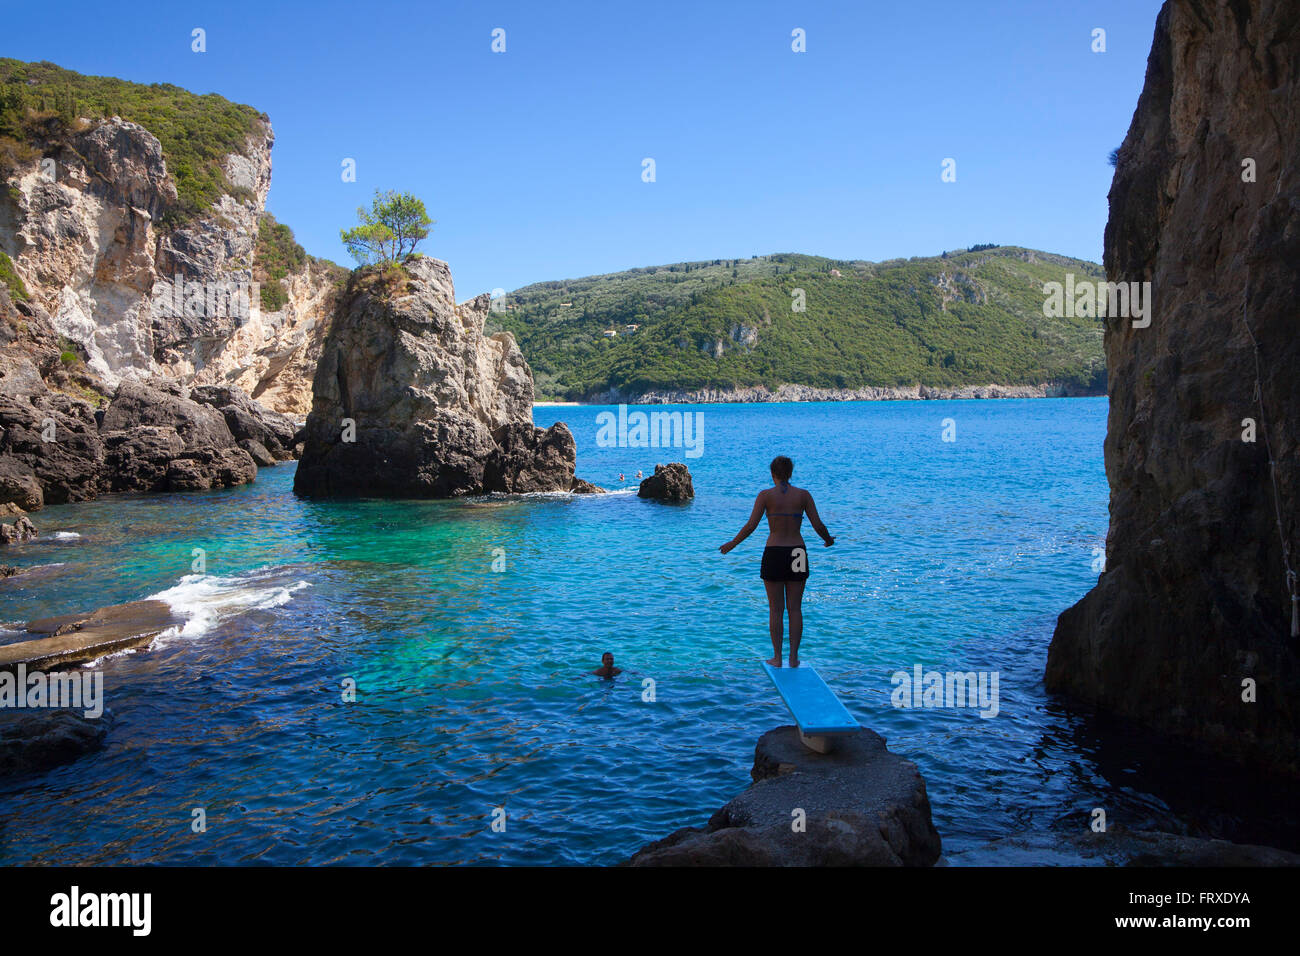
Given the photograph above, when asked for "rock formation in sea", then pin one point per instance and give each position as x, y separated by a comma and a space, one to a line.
857, 806
411, 400
671, 482
22, 528
1187, 629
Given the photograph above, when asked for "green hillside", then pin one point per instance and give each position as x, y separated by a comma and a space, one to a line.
965, 318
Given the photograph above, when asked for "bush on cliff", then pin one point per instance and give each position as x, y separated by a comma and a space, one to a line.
41, 101
11, 279
278, 256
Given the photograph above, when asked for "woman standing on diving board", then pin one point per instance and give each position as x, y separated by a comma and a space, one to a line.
784, 569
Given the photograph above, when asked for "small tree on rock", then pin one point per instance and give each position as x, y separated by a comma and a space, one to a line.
390, 231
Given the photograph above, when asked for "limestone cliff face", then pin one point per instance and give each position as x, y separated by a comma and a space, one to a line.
273, 355
86, 234
1193, 600
410, 398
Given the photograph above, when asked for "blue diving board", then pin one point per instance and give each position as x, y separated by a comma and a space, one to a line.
814, 706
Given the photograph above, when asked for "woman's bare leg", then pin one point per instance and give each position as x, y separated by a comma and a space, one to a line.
794, 602
775, 618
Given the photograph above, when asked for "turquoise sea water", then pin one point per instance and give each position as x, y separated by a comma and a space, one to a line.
472, 691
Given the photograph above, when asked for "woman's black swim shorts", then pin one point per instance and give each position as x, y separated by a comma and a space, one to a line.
782, 563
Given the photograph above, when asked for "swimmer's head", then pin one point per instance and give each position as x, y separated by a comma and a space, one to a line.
782, 469
607, 659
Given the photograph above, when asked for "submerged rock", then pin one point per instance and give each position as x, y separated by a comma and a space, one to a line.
862, 806
411, 400
33, 741
1119, 846
671, 482
1187, 629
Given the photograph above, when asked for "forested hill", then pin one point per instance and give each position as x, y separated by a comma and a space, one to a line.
973, 317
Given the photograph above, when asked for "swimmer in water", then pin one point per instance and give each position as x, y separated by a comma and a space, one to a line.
607, 668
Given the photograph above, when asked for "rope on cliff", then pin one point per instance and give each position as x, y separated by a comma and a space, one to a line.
1272, 467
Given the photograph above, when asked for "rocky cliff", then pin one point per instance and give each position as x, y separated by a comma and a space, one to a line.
65, 435
1187, 629
410, 399
87, 224
272, 356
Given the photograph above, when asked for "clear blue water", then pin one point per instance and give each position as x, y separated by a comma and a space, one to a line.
472, 684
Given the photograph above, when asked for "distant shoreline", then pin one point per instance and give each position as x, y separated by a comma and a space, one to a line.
806, 393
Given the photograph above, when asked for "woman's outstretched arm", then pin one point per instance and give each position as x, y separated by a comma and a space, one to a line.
815, 519
755, 516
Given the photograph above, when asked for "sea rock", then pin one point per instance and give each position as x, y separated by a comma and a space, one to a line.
35, 741
157, 439
411, 399
1193, 609
671, 482
66, 435
48, 432
20, 530
863, 806
71, 639
530, 459
18, 486
257, 451
248, 420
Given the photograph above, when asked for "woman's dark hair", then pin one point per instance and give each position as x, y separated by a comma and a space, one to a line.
782, 468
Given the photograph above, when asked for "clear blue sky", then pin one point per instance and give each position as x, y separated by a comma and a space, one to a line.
530, 160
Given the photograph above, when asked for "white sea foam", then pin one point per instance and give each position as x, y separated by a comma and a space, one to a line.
63, 535
206, 600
